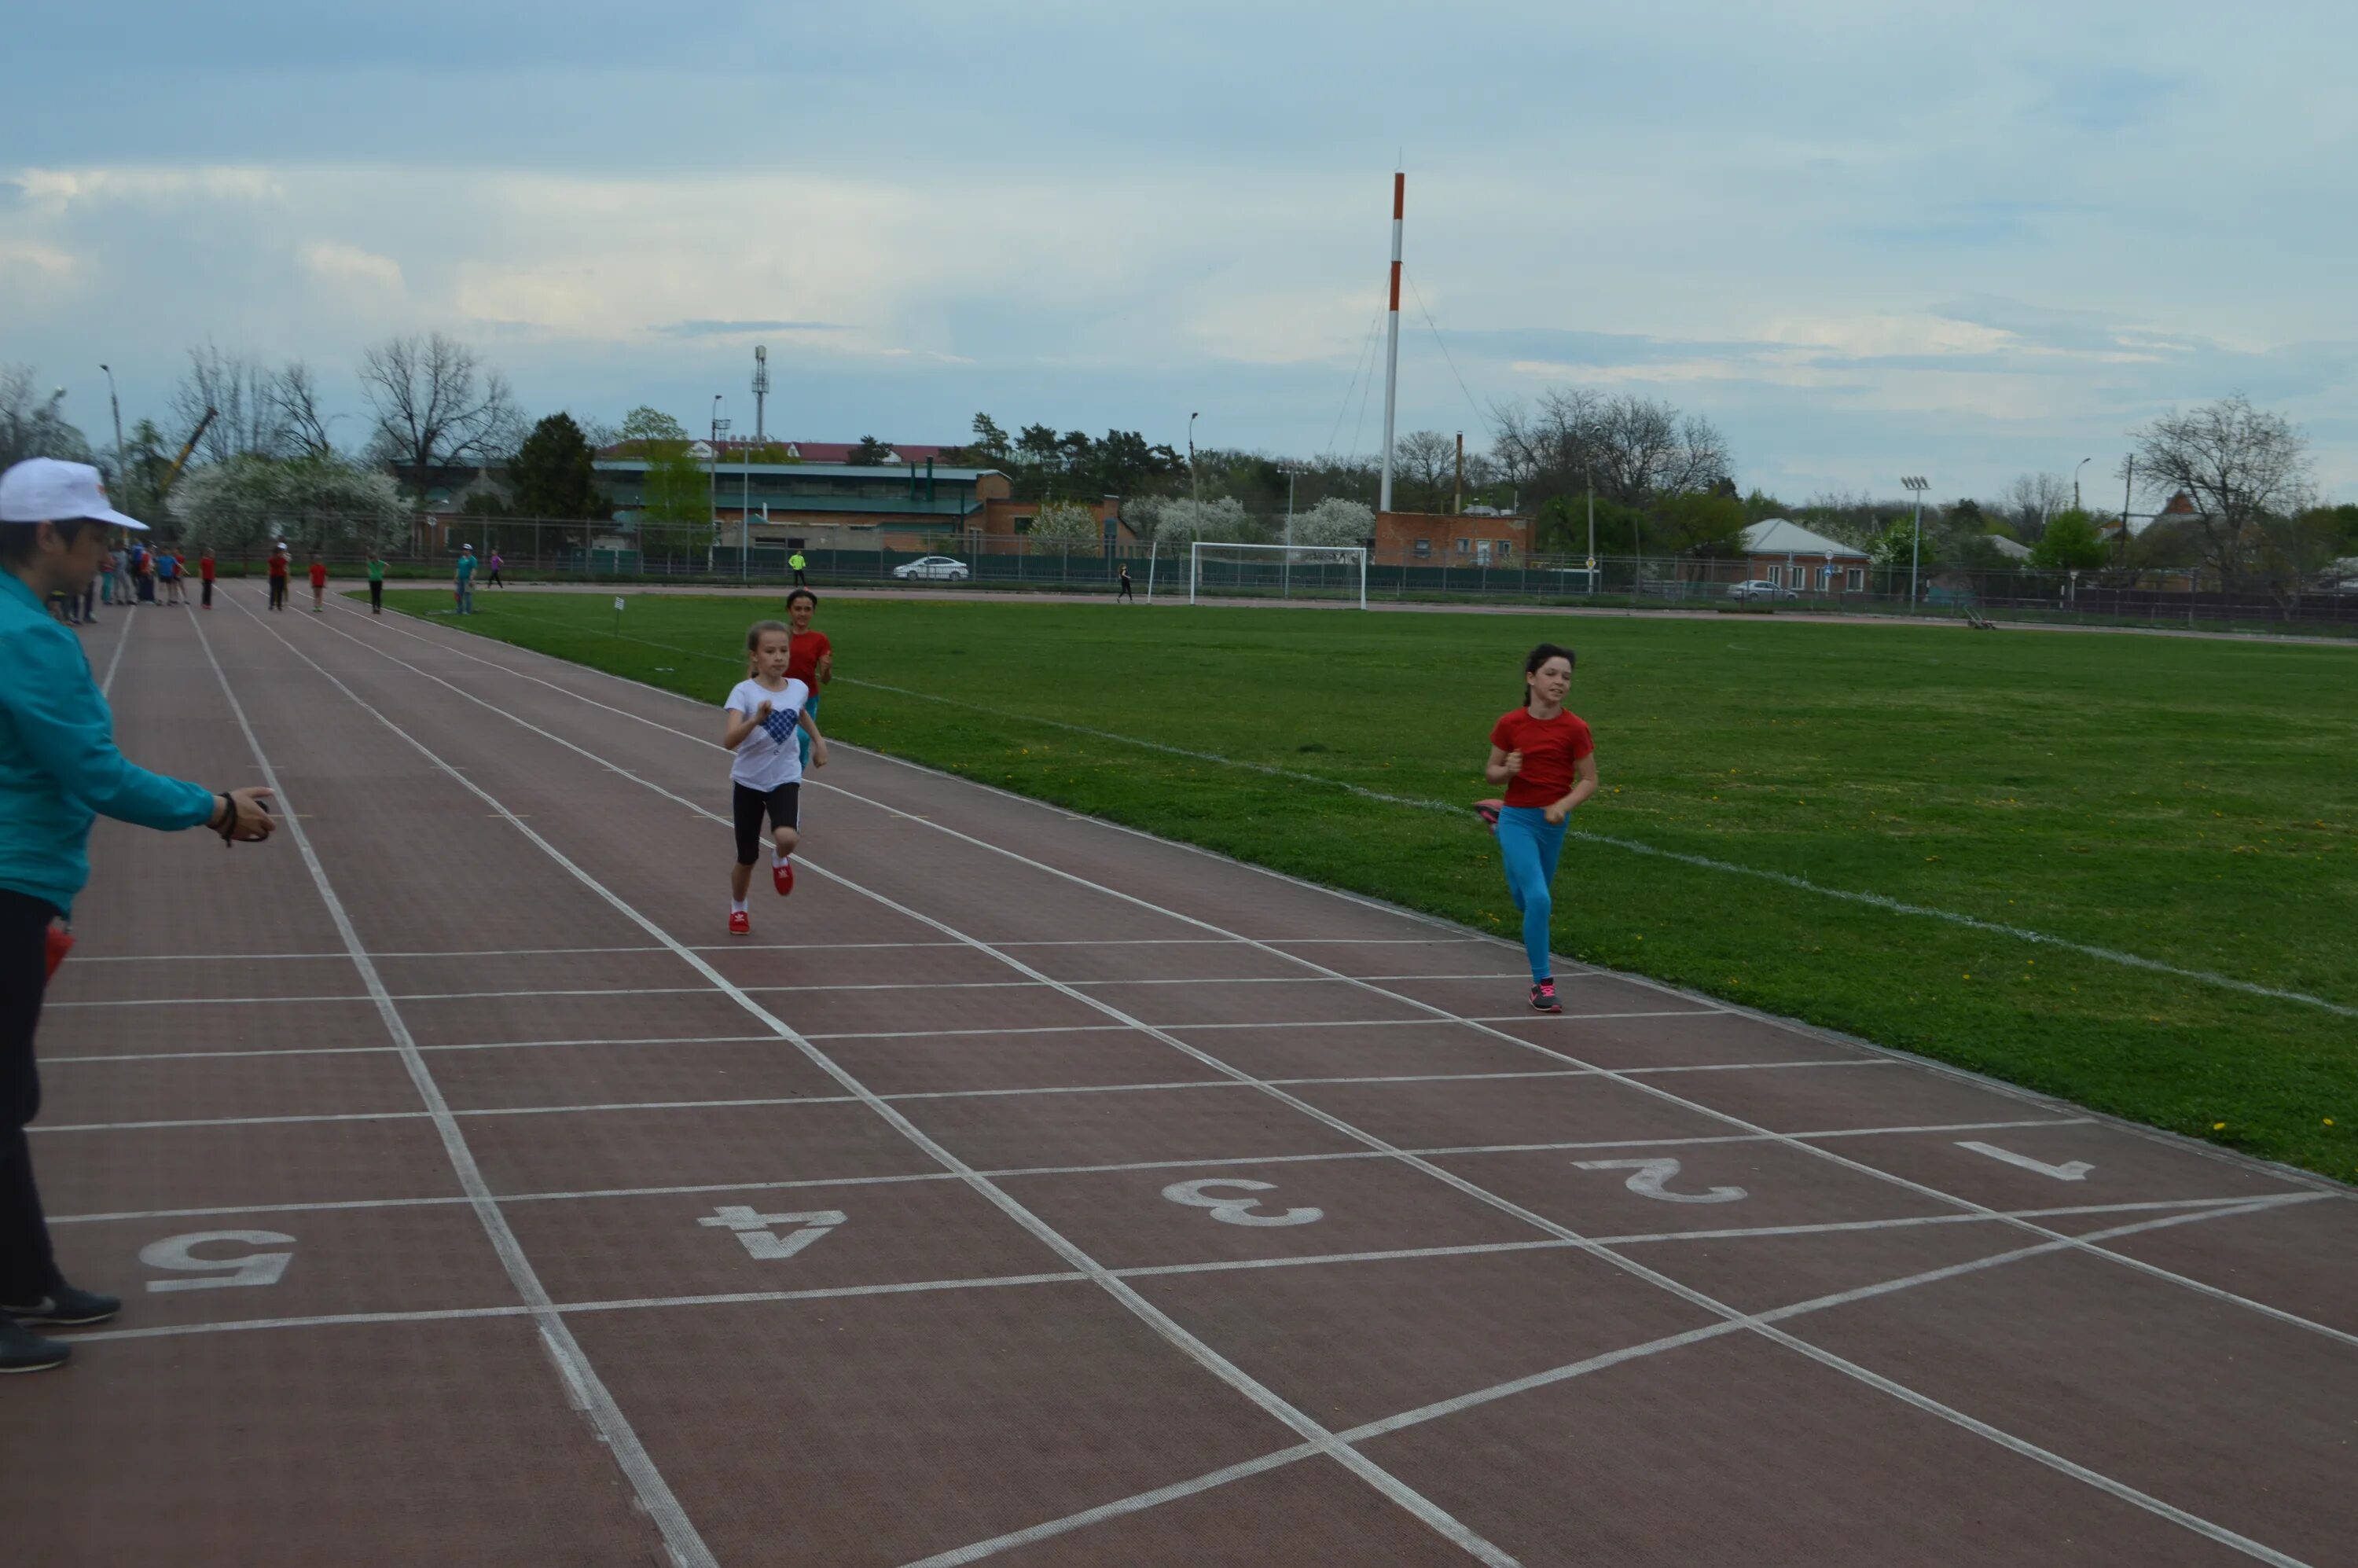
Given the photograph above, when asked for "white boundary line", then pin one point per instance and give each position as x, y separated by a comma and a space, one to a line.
1222, 1161
1153, 1317
122, 640
680, 1539
1674, 1287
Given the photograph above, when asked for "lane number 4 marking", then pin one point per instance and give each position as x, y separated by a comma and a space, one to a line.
1651, 1179
754, 1231
179, 1253
1237, 1210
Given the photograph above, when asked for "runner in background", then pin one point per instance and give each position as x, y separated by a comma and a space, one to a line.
813, 663
496, 564
205, 570
376, 583
278, 575
763, 712
1546, 758
1125, 593
318, 583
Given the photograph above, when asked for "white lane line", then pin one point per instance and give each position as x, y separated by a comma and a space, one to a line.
680, 1538
1345, 1129
1153, 1317
122, 640
1222, 1161
1050, 1529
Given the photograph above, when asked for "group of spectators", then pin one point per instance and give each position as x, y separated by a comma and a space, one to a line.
133, 574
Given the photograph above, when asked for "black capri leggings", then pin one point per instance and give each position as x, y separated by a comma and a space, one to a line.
782, 805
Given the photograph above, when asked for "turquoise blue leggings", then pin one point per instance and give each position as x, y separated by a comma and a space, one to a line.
802, 732
1531, 847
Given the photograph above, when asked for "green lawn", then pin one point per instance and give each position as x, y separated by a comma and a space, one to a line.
2190, 802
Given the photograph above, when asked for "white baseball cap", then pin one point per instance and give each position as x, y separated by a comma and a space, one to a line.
43, 489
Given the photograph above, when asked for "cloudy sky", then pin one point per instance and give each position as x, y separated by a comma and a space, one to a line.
1967, 241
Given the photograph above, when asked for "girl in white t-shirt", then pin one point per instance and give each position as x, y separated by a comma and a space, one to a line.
763, 713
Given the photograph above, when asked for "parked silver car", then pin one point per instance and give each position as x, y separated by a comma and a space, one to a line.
1758, 588
933, 568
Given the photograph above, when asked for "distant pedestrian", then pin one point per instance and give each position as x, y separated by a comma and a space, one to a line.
795, 565
763, 713
813, 663
58, 770
107, 578
376, 583
168, 579
278, 575
464, 587
496, 564
123, 588
1547, 759
205, 570
142, 569
1125, 592
318, 583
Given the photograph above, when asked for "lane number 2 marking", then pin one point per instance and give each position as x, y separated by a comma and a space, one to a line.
179, 1253
755, 1233
1237, 1210
1651, 1179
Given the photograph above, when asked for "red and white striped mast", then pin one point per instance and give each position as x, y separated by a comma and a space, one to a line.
1391, 361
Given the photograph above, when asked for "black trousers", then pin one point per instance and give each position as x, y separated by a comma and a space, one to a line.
208, 593
376, 596
278, 593
27, 1270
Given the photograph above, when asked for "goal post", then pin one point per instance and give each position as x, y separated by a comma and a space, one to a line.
1332, 572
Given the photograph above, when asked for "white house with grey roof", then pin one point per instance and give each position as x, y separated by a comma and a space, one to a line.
1782, 551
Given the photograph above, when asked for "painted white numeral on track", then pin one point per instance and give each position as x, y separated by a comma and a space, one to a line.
179, 1253
1651, 1179
1234, 1210
2069, 1170
753, 1230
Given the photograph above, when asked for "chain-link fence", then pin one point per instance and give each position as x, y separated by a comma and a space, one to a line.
552, 549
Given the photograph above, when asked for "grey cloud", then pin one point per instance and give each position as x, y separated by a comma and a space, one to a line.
730, 329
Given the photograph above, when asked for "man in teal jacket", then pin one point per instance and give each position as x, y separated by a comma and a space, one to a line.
58, 770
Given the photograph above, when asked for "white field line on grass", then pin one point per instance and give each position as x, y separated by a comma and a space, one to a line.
590, 1393
1152, 1316
1628, 1265
1634, 845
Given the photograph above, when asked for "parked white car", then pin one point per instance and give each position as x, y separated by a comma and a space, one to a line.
1759, 587
933, 568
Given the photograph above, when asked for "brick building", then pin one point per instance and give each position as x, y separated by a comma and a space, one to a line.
1475, 537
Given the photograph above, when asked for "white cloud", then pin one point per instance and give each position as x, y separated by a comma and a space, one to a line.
349, 266
29, 261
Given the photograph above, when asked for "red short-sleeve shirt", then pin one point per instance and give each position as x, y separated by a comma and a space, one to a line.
318, 573
1551, 747
802, 656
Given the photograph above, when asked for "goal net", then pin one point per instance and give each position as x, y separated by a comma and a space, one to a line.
1337, 572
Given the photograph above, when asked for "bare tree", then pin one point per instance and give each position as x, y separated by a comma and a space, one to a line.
296, 395
2241, 466
1633, 449
435, 404
30, 425
247, 421
1427, 461
2031, 499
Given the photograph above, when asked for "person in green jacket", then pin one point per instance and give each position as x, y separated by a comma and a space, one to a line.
795, 565
376, 583
59, 771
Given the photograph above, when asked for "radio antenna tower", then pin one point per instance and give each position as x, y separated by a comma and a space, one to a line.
761, 388
1391, 364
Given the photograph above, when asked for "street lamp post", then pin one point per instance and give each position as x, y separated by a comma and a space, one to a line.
1917, 485
2075, 482
1195, 491
712, 490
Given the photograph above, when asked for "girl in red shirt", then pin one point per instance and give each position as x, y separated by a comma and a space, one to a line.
318, 585
1547, 759
813, 663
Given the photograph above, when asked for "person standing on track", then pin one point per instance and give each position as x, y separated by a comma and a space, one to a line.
278, 575
58, 770
376, 583
814, 659
179, 577
764, 712
205, 572
1547, 759
1125, 594
465, 585
318, 583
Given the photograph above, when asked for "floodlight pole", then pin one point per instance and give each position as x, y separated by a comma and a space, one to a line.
1916, 486
712, 490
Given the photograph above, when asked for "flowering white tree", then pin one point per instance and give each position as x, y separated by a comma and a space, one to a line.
323, 502
1067, 524
1334, 521
1178, 520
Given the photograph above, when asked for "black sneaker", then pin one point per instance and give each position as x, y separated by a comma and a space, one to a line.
22, 1350
66, 1307
1544, 997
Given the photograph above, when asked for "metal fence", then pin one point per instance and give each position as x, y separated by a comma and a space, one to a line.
557, 549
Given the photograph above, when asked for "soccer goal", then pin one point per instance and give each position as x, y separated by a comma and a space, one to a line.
1277, 571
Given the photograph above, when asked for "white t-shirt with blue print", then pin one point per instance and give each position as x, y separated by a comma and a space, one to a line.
769, 757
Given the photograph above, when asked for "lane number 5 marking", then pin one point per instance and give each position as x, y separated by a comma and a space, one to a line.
179, 1253
1651, 1179
1236, 1210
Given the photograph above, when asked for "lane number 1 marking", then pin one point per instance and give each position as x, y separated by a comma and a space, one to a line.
1236, 1210
179, 1253
753, 1230
1650, 1178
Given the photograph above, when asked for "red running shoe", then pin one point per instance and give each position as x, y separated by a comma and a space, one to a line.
1544, 997
740, 923
782, 872
1487, 810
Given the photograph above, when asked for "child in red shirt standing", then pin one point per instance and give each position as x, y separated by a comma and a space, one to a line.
1547, 759
318, 584
205, 570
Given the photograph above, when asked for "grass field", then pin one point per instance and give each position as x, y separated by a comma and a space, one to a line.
2190, 802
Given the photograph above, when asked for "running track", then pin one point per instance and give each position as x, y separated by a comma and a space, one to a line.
1030, 1191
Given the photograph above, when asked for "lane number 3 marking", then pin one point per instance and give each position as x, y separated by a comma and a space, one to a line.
179, 1253
1651, 1179
754, 1231
1237, 1210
